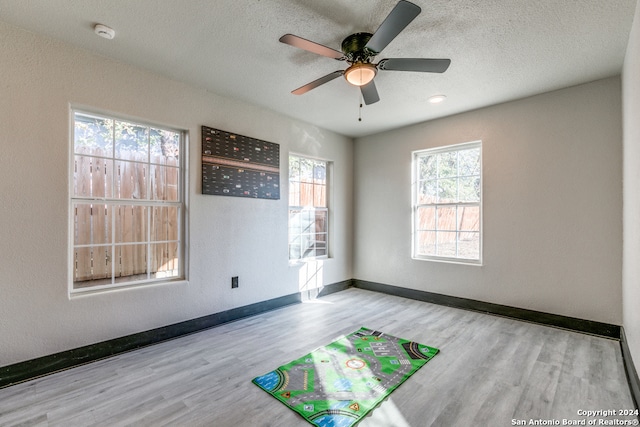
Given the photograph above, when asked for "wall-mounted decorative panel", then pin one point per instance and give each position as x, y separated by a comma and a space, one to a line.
237, 165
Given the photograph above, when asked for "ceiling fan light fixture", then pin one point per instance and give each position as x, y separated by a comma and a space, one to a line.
360, 74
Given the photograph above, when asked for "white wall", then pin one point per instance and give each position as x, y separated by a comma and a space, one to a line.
552, 167
631, 239
39, 80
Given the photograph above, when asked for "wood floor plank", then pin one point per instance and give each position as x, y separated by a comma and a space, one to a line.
490, 371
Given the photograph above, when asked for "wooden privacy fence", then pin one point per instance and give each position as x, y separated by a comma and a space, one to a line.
465, 219
120, 235
308, 193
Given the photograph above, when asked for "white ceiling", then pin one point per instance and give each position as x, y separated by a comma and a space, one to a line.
500, 49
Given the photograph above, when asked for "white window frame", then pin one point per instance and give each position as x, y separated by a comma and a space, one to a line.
310, 209
415, 188
147, 204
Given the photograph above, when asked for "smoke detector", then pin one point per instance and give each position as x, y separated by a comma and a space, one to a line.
104, 31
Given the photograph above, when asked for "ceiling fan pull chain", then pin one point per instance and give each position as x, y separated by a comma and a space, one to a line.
360, 109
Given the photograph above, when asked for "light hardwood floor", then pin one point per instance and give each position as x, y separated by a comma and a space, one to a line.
490, 371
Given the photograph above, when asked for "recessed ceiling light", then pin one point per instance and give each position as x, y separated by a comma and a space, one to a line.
437, 99
104, 31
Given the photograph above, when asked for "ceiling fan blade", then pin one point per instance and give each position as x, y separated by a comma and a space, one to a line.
424, 65
394, 23
310, 46
314, 84
370, 93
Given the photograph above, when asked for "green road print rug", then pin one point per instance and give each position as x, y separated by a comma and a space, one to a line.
338, 384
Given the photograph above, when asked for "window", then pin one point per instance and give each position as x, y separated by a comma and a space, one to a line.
447, 203
127, 203
308, 213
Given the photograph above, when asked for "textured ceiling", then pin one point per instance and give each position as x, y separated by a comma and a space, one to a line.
500, 49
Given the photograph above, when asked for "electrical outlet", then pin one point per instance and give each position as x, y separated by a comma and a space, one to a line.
234, 282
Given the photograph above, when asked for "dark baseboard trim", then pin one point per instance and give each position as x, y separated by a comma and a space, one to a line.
571, 323
30, 369
630, 369
336, 287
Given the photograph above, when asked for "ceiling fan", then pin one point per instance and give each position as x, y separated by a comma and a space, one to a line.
358, 50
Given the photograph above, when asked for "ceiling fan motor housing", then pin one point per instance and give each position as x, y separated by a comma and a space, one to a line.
354, 49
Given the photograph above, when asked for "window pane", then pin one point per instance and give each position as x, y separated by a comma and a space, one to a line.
164, 260
426, 243
294, 251
447, 190
321, 244
446, 246
469, 218
306, 193
165, 146
131, 141
164, 221
320, 196
306, 170
92, 224
427, 167
319, 172
469, 189
101, 262
321, 221
93, 134
92, 176
306, 246
447, 164
446, 218
82, 265
428, 192
294, 168
469, 162
307, 233
308, 223
426, 217
294, 224
91, 264
130, 223
164, 183
294, 194
130, 180
294, 181
469, 245
82, 225
130, 262
174, 213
